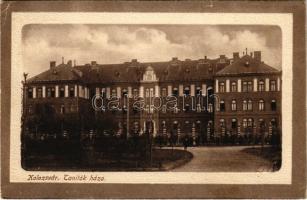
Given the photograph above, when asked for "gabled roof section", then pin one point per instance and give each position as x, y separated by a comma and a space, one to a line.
247, 65
62, 72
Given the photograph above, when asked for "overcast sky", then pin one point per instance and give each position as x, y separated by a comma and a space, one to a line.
121, 43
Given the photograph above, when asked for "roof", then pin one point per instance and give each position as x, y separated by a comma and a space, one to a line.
174, 70
247, 65
62, 72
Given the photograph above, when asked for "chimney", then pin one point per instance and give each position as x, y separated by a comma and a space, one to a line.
222, 56
69, 63
93, 63
134, 60
257, 55
174, 59
74, 63
236, 56
205, 57
251, 54
52, 64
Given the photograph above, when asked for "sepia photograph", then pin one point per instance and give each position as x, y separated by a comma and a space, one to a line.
148, 99
151, 98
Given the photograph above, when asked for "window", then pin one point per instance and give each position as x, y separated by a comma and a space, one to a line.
164, 109
147, 92
244, 123
250, 105
198, 91
222, 106
62, 91
233, 105
113, 93
198, 108
187, 91
261, 86
30, 93
249, 86
222, 122
261, 105
273, 105
273, 122
244, 105
50, 92
62, 109
261, 123
272, 85
71, 92
163, 93
222, 87
124, 92
151, 92
187, 107
233, 86
250, 122
244, 88
210, 108
135, 92
175, 91
39, 93
234, 123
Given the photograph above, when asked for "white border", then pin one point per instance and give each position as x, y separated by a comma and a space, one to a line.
284, 21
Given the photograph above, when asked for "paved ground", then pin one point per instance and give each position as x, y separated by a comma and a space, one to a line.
224, 159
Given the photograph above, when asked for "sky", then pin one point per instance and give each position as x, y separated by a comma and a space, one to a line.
147, 43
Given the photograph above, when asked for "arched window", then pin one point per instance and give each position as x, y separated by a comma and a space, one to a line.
210, 108
198, 91
187, 91
250, 105
147, 92
175, 91
30, 93
273, 85
39, 93
222, 87
135, 92
124, 92
62, 109
233, 105
244, 88
222, 122
244, 123
62, 91
234, 123
244, 105
222, 106
249, 86
71, 92
273, 105
261, 86
233, 86
113, 93
261, 105
163, 92
250, 122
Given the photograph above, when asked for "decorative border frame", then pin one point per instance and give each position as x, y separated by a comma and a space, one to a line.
61, 190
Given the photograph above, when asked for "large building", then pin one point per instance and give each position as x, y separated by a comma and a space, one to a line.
206, 99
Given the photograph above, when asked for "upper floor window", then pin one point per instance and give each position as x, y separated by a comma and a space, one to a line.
261, 105
244, 105
163, 92
71, 92
187, 91
62, 109
222, 122
261, 86
198, 91
272, 85
210, 108
50, 92
244, 123
273, 105
234, 123
250, 122
135, 92
222, 87
62, 91
113, 93
30, 93
147, 92
124, 92
249, 86
39, 93
233, 86
175, 91
233, 105
250, 105
222, 106
244, 86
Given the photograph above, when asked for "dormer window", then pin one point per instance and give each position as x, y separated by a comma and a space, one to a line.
30, 93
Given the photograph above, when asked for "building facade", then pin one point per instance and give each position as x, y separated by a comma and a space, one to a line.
206, 99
